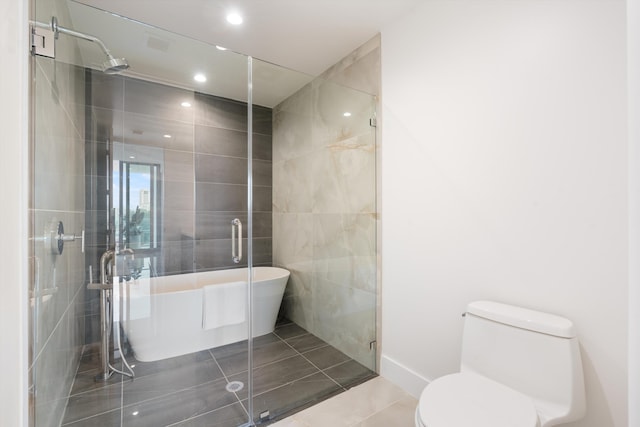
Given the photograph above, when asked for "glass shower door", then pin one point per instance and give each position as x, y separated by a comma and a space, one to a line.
136, 180
324, 234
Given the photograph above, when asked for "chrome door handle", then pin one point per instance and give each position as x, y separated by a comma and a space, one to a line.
237, 257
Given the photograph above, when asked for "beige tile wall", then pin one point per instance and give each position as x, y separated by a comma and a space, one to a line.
324, 204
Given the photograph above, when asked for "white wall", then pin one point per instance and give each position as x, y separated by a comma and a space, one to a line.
633, 73
504, 177
13, 253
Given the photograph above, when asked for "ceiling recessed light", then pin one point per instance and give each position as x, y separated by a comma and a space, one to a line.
132, 157
220, 47
186, 104
135, 413
347, 114
166, 135
234, 18
200, 78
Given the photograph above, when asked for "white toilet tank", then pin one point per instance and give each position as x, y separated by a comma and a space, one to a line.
532, 352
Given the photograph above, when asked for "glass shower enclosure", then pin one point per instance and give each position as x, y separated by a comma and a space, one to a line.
202, 253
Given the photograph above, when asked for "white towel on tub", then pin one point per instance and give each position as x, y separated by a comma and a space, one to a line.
224, 304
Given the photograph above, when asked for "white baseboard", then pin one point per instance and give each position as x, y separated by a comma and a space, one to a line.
405, 378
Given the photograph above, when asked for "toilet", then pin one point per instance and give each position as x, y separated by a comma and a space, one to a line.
519, 368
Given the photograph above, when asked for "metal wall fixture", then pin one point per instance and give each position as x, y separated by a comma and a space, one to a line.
43, 38
55, 238
236, 256
108, 276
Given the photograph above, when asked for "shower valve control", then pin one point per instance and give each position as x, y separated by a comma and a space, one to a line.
58, 238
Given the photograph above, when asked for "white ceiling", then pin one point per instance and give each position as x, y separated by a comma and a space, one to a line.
303, 35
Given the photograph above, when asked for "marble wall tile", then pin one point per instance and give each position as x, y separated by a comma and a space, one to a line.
331, 102
292, 130
298, 303
324, 172
360, 70
345, 318
345, 176
353, 271
295, 238
294, 183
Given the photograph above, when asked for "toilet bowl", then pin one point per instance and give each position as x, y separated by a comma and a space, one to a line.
464, 400
519, 368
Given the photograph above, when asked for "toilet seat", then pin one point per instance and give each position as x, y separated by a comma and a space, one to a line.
465, 399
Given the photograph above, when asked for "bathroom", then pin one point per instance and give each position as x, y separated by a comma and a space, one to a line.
165, 156
521, 161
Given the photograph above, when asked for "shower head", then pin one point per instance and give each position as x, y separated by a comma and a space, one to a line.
110, 66
114, 65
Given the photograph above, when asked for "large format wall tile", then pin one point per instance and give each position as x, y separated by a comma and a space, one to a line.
157, 100
56, 285
324, 208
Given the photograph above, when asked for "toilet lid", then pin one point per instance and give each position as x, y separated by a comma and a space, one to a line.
464, 399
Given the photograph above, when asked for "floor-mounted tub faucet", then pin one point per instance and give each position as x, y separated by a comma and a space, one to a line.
107, 262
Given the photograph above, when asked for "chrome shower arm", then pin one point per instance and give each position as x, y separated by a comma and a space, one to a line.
57, 29
111, 66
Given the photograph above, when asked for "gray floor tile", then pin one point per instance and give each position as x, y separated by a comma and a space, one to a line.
294, 396
229, 416
305, 342
107, 419
350, 373
176, 407
275, 375
263, 353
142, 369
170, 381
189, 390
94, 402
289, 330
326, 357
85, 381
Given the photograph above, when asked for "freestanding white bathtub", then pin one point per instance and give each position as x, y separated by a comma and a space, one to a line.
163, 316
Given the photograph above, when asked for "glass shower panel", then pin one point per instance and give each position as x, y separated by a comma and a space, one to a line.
323, 164
136, 179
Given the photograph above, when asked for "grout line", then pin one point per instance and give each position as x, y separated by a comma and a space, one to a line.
227, 381
53, 330
288, 383
177, 423
314, 365
92, 416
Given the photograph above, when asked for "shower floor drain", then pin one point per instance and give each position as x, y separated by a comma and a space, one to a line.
234, 386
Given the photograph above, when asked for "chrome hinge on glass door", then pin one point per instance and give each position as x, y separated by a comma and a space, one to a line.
43, 41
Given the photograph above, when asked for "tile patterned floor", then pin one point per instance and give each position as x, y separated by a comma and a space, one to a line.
292, 369
376, 403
